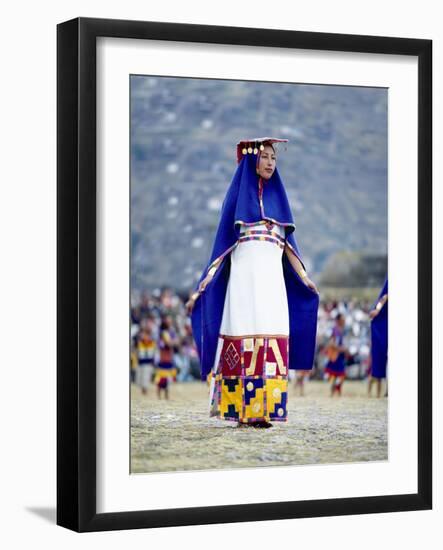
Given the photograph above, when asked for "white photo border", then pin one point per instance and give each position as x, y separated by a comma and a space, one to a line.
117, 489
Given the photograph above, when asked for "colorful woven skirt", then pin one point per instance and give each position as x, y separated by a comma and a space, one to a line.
164, 373
250, 380
336, 368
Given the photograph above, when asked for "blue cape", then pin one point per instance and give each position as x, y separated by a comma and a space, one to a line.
379, 338
242, 206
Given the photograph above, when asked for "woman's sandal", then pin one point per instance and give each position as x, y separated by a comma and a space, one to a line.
262, 424
259, 424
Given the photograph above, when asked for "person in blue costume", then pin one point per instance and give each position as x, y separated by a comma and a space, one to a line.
335, 367
254, 312
379, 340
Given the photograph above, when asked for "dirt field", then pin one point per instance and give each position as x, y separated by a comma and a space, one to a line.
179, 435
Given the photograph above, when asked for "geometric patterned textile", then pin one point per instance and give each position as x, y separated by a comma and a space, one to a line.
250, 381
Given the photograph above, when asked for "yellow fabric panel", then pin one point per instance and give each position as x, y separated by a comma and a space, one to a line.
256, 408
274, 389
164, 373
231, 398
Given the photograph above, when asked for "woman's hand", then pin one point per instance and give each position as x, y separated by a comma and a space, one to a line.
310, 284
373, 314
205, 282
190, 304
299, 269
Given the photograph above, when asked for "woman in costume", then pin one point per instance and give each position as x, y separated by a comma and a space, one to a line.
254, 314
335, 367
379, 340
146, 352
168, 343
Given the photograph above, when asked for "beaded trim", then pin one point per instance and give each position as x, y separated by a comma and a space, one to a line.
267, 232
262, 238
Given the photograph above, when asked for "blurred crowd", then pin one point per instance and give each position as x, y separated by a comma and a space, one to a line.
151, 312
357, 336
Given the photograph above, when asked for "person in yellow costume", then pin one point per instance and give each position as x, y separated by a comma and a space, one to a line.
165, 370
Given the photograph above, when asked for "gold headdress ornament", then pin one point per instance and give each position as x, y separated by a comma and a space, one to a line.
249, 146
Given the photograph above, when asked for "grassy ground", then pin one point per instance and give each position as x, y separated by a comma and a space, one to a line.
177, 434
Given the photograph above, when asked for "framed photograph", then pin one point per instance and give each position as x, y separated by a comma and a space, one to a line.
231, 205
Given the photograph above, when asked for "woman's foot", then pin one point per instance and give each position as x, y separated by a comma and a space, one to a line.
262, 424
258, 424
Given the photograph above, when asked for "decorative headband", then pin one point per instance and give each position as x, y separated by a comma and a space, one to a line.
249, 146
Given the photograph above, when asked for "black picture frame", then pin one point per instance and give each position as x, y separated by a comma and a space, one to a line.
76, 273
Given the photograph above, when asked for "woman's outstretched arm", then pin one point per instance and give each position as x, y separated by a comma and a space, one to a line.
381, 302
204, 283
297, 265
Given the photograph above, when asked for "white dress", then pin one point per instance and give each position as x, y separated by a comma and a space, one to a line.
250, 371
256, 301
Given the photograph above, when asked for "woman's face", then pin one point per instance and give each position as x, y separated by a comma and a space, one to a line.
266, 163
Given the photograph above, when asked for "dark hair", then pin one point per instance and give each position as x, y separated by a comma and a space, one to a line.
270, 145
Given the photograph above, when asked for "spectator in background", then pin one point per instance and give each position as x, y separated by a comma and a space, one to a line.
135, 316
146, 350
145, 305
134, 361
301, 376
168, 344
336, 353
166, 301
379, 340
187, 355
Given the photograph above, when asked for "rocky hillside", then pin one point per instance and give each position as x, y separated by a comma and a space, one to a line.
183, 135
